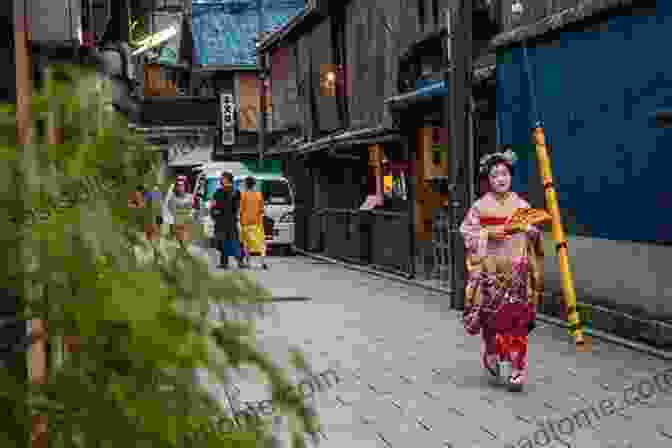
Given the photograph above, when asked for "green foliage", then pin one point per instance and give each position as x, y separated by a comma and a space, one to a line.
79, 256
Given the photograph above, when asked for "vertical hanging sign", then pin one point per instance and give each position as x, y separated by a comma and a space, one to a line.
228, 119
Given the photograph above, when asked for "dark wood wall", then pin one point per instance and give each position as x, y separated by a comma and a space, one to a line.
322, 59
376, 34
284, 88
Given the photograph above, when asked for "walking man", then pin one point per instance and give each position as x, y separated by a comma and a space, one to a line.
252, 221
224, 211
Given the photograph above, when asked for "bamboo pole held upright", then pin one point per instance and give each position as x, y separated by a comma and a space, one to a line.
574, 325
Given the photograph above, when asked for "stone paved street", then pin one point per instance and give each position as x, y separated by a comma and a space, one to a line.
410, 376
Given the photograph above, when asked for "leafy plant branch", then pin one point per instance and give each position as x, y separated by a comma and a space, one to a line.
139, 308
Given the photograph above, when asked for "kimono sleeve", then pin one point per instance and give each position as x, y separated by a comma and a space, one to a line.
260, 204
533, 232
471, 230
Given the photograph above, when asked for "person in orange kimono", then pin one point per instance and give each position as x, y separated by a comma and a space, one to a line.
252, 221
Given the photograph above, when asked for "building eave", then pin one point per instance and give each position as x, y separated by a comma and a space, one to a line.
273, 39
339, 139
226, 68
159, 130
585, 10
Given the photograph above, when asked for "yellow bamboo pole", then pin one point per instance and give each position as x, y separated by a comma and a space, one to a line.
574, 325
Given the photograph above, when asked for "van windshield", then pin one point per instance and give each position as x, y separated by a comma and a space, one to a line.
274, 190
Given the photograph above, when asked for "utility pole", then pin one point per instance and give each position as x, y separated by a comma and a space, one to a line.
25, 136
24, 74
457, 108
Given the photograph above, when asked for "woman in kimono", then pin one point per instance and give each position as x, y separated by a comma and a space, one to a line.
505, 265
178, 205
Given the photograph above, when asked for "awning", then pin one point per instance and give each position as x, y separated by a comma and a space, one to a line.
184, 154
433, 90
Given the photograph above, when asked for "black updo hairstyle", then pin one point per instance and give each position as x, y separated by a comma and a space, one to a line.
496, 160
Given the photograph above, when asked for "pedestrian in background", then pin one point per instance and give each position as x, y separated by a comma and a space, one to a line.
224, 209
154, 200
137, 198
138, 202
178, 210
505, 264
252, 221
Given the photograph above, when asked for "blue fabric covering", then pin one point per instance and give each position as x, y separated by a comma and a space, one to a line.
595, 92
225, 30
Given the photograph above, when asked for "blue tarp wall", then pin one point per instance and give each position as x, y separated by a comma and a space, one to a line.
596, 93
225, 30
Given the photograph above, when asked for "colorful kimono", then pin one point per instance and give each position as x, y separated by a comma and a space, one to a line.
485, 310
179, 208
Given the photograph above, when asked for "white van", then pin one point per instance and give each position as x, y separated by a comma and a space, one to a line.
278, 196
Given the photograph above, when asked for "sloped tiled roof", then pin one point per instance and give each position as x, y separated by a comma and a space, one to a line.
225, 31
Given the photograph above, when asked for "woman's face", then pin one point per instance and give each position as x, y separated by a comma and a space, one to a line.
226, 183
500, 178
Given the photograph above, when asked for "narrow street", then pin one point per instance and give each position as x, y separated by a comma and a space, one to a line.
410, 376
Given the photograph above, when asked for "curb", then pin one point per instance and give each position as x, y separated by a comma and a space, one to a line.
598, 334
374, 272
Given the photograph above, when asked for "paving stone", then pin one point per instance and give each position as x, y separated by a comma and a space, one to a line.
399, 341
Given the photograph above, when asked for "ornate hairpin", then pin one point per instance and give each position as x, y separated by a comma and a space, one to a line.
507, 156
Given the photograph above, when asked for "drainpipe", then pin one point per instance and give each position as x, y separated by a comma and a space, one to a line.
261, 120
262, 67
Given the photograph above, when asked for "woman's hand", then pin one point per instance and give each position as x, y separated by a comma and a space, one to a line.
510, 229
498, 233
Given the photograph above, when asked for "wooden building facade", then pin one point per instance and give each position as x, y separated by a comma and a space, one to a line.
354, 167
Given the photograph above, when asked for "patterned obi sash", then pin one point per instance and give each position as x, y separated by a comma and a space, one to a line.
493, 220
